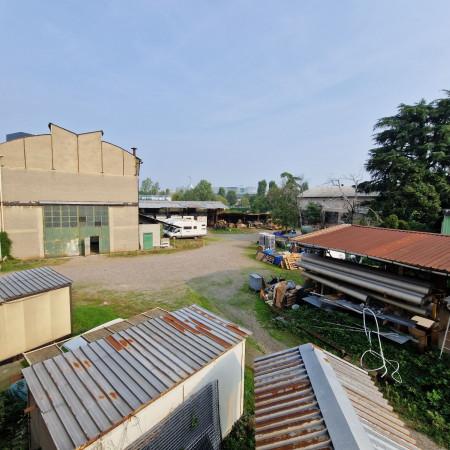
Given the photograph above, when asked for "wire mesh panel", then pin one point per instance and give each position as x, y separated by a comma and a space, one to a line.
194, 425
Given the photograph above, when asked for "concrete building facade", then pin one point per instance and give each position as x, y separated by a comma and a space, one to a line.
65, 194
336, 202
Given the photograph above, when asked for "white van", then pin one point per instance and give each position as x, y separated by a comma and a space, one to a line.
183, 228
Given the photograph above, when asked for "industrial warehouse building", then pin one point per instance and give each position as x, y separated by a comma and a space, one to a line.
68, 194
35, 309
164, 380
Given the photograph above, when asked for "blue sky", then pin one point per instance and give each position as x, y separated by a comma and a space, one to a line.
231, 91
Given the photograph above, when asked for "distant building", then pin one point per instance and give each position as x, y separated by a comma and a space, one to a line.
240, 190
203, 211
336, 202
68, 194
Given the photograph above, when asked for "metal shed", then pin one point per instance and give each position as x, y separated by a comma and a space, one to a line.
306, 397
35, 309
115, 389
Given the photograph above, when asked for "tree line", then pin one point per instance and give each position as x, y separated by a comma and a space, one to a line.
409, 168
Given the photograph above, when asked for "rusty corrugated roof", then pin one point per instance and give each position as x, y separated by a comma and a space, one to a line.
424, 250
83, 393
308, 398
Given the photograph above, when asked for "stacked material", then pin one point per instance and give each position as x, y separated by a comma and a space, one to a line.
362, 282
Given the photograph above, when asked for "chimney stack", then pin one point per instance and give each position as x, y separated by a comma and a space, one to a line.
133, 149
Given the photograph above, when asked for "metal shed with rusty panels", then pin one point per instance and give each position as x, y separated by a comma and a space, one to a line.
123, 390
35, 309
406, 272
308, 398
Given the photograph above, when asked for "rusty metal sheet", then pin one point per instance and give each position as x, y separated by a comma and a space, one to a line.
419, 249
288, 413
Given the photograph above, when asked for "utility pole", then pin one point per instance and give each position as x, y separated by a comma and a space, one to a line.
1, 209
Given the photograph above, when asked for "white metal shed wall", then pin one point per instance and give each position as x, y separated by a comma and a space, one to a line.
228, 369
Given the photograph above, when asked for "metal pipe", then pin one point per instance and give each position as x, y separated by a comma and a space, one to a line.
411, 308
346, 290
355, 279
361, 295
410, 285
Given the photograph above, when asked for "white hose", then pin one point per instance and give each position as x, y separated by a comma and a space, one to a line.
385, 362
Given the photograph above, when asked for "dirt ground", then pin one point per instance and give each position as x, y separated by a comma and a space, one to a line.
217, 271
160, 271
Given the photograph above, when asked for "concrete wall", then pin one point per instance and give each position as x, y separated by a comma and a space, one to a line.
64, 167
24, 225
228, 369
34, 321
150, 228
124, 228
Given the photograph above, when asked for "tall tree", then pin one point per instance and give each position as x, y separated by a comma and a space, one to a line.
231, 198
149, 187
410, 165
222, 192
262, 188
285, 200
202, 191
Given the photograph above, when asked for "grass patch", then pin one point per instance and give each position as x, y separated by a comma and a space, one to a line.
92, 308
232, 230
177, 245
12, 264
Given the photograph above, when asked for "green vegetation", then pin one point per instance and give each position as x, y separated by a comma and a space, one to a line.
313, 213
410, 164
202, 191
422, 399
176, 245
12, 264
13, 423
92, 308
5, 244
231, 198
150, 187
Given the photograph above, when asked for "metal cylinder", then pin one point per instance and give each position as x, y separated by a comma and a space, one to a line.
356, 293
389, 279
357, 280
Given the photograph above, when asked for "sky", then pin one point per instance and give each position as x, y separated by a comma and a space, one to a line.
228, 91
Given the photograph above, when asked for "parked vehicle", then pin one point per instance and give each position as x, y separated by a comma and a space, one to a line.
184, 228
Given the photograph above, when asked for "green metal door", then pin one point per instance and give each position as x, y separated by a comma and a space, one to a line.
148, 241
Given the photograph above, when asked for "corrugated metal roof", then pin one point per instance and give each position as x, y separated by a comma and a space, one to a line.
86, 392
335, 192
308, 398
29, 282
425, 250
175, 204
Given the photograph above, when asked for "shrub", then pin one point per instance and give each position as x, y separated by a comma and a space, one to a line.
391, 221
5, 243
